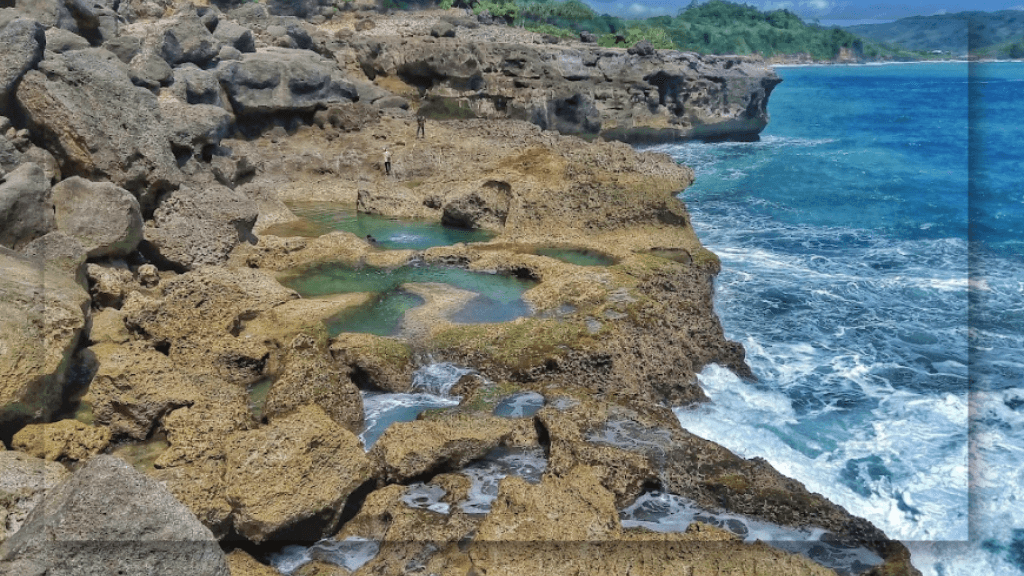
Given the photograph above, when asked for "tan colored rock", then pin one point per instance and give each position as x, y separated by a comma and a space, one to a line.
109, 285
242, 564
280, 324
149, 276
559, 509
63, 440
276, 253
201, 315
410, 449
315, 465
42, 315
135, 386
108, 327
311, 376
24, 481
385, 363
199, 432
200, 486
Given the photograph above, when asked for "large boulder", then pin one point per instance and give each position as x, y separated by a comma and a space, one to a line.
83, 106
283, 81
60, 252
104, 217
21, 43
110, 519
63, 440
24, 481
26, 211
192, 228
235, 35
194, 129
42, 315
193, 85
184, 38
316, 465
410, 449
59, 40
311, 376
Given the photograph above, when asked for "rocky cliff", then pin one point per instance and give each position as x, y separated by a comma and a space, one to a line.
635, 95
146, 150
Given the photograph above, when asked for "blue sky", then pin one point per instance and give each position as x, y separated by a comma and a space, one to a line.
828, 12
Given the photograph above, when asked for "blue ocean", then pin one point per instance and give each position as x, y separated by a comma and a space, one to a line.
872, 247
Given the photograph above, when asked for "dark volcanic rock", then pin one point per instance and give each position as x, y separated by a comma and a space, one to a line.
21, 43
149, 71
124, 47
282, 80
110, 519
104, 217
85, 109
26, 212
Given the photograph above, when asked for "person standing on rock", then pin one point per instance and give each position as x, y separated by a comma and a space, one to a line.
387, 161
421, 124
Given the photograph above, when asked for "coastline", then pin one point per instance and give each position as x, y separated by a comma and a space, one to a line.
170, 323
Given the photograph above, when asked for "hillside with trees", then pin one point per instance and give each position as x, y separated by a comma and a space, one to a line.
715, 27
993, 34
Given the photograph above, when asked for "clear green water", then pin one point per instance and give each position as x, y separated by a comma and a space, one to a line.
577, 256
319, 218
499, 298
258, 396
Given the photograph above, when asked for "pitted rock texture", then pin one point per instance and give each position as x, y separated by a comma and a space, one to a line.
64, 440
581, 89
315, 463
42, 315
283, 80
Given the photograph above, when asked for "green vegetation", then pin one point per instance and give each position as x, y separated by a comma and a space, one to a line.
982, 34
715, 27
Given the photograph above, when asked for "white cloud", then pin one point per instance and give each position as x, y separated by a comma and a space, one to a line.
638, 10
820, 5
769, 6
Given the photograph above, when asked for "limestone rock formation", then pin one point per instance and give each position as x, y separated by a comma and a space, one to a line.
192, 227
85, 109
63, 440
26, 211
410, 449
315, 463
23, 483
633, 96
108, 518
311, 376
21, 42
377, 361
60, 252
201, 315
136, 385
42, 315
283, 81
103, 217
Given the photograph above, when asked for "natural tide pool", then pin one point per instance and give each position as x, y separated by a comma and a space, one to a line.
498, 298
577, 256
319, 218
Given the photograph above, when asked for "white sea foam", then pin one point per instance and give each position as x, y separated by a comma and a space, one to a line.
352, 553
